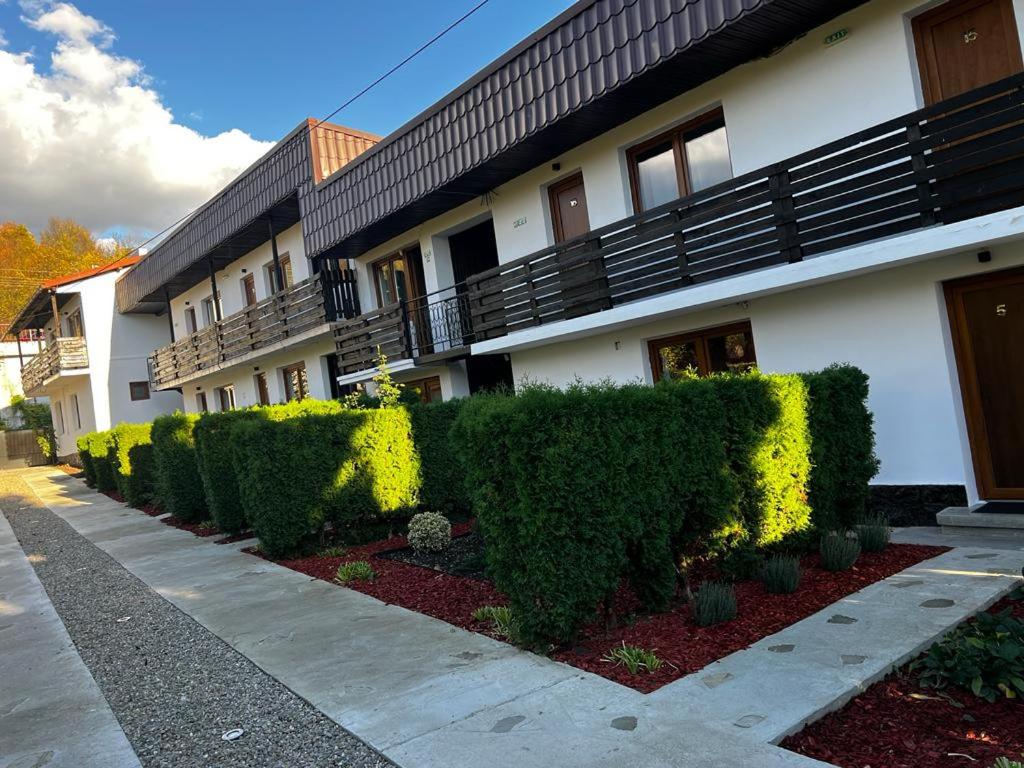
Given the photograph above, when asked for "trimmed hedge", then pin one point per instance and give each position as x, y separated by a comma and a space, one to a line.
842, 446
346, 467
134, 463
215, 454
442, 475
574, 490
100, 446
82, 443
179, 486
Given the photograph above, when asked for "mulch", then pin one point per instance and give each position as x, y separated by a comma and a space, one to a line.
235, 537
685, 647
898, 724
203, 529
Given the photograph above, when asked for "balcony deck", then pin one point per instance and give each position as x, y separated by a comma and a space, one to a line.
65, 353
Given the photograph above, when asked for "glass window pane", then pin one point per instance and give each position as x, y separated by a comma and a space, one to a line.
707, 159
656, 175
731, 353
383, 274
679, 360
401, 278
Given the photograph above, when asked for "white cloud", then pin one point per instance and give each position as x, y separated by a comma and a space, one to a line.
90, 139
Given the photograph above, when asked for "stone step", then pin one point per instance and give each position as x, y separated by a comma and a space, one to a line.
962, 517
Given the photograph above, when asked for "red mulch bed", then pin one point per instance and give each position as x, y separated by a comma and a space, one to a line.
114, 495
235, 537
197, 528
678, 641
898, 724
151, 510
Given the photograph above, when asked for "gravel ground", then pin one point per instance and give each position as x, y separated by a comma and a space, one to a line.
174, 686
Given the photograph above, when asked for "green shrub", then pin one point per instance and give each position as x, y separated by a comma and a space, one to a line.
179, 486
442, 483
134, 463
984, 656
357, 570
714, 603
429, 532
82, 443
349, 467
100, 446
839, 551
873, 533
215, 457
634, 659
842, 446
742, 563
781, 575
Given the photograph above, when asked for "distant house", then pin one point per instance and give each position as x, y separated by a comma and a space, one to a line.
642, 188
92, 365
16, 351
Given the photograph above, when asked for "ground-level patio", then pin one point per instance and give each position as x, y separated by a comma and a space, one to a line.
177, 640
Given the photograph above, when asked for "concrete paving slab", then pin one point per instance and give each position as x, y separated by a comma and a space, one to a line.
52, 712
960, 537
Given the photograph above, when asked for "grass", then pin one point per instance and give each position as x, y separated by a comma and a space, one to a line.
500, 618
358, 570
634, 659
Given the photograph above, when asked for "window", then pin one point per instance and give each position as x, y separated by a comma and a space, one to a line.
74, 324
249, 289
138, 390
76, 415
262, 391
209, 311
226, 398
201, 404
724, 349
58, 411
429, 390
285, 260
398, 277
296, 385
190, 320
685, 160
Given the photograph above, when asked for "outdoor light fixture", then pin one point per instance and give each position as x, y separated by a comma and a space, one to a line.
984, 257
556, 166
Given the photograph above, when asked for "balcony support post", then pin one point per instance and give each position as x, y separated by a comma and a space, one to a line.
170, 317
21, 357
56, 314
278, 275
213, 288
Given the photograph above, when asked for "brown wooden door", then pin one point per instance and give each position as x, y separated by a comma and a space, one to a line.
965, 44
569, 208
987, 318
249, 286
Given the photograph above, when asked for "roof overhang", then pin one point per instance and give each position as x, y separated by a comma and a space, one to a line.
596, 66
38, 310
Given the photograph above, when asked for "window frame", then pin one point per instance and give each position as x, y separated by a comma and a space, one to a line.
700, 338
423, 388
676, 136
132, 391
286, 372
287, 275
76, 412
202, 403
228, 392
249, 281
262, 387
415, 290
72, 319
58, 408
191, 321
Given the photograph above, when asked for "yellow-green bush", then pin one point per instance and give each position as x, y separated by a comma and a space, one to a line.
134, 463
348, 466
82, 443
179, 486
100, 448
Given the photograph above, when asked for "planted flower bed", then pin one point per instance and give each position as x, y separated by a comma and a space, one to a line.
898, 723
438, 587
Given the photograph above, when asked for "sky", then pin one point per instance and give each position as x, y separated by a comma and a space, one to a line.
127, 115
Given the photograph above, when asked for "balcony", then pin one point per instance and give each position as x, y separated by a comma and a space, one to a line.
300, 309
59, 355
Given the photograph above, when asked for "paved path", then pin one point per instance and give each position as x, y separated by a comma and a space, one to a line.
52, 713
428, 694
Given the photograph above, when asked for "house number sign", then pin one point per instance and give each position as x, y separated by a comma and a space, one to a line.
1000, 310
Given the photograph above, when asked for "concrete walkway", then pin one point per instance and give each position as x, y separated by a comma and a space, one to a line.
425, 693
52, 713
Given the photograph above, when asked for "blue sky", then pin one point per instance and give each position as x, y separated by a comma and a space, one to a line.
262, 66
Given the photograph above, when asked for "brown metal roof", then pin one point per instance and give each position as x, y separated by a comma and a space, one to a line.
597, 65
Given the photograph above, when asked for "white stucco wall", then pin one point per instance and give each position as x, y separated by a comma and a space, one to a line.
63, 392
892, 324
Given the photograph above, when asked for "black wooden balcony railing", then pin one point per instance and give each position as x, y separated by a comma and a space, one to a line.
289, 313
957, 159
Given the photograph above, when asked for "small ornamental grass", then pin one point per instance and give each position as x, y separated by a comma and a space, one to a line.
358, 570
634, 659
873, 533
1005, 762
839, 551
781, 575
984, 656
335, 550
429, 532
714, 603
501, 619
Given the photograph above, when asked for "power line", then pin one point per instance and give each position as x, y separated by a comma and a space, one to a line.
363, 92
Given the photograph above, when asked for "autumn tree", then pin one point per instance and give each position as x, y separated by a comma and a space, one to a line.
63, 247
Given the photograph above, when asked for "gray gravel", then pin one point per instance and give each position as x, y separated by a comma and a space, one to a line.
174, 686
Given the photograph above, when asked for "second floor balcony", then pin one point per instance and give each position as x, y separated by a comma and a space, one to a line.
60, 355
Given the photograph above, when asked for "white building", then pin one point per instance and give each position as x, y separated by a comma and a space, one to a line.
16, 351
643, 186
93, 365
